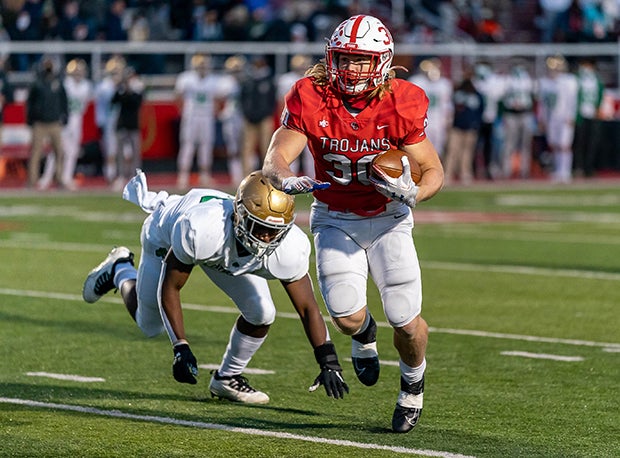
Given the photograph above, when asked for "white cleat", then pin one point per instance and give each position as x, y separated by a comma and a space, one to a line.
236, 388
100, 280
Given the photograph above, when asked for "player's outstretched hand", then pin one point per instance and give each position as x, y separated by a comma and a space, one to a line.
331, 372
184, 366
300, 185
402, 188
332, 380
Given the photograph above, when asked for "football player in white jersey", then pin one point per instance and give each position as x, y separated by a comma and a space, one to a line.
79, 91
230, 114
196, 92
106, 114
239, 242
557, 94
439, 90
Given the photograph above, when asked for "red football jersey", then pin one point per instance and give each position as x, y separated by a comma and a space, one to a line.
343, 145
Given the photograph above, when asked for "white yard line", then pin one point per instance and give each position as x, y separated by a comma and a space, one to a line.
70, 377
232, 310
527, 354
227, 428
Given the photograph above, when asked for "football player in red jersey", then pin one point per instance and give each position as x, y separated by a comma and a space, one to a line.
347, 110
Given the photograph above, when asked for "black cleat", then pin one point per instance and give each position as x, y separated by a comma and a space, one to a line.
408, 407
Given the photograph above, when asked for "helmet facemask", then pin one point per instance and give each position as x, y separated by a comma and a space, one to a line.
259, 237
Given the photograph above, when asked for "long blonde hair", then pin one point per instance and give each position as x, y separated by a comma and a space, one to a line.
318, 73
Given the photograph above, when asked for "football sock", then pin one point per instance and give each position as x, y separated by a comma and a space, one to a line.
238, 353
367, 333
124, 271
412, 374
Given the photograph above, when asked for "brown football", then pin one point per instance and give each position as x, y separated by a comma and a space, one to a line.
389, 162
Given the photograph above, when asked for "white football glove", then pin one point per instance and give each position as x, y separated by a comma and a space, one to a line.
402, 188
300, 185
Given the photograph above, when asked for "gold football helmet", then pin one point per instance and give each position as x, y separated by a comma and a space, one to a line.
76, 68
201, 63
263, 215
235, 64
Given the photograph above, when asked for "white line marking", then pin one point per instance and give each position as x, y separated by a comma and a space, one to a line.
73, 378
247, 370
383, 324
234, 429
523, 270
612, 350
526, 354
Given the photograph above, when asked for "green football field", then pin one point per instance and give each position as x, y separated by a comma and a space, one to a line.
521, 291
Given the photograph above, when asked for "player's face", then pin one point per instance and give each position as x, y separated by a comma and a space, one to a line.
265, 234
354, 71
358, 63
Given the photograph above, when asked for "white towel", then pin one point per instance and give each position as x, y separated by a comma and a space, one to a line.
137, 192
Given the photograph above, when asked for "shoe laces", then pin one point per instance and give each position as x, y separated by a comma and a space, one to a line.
104, 283
240, 383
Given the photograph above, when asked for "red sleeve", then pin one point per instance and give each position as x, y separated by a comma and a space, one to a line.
292, 112
412, 106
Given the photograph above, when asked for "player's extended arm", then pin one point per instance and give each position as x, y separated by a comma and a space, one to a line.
432, 171
302, 295
286, 145
173, 277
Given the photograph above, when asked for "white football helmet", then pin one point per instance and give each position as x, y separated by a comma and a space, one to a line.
263, 215
361, 35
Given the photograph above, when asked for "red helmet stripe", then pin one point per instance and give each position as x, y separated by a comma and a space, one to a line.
355, 28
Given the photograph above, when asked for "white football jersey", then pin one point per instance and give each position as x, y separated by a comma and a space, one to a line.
199, 228
558, 97
79, 94
198, 93
439, 93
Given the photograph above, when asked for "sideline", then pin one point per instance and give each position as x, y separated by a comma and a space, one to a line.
232, 429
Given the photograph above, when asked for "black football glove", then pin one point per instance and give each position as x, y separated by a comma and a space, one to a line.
184, 366
331, 372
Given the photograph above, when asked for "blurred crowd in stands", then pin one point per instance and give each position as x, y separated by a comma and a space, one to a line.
420, 21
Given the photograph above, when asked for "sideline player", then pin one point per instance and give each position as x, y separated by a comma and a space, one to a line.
557, 112
347, 110
239, 242
195, 91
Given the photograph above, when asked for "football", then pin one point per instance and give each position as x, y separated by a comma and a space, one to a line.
389, 162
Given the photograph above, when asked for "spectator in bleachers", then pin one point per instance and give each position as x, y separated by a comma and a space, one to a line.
208, 26
114, 27
595, 22
258, 103
26, 26
46, 113
517, 104
553, 21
